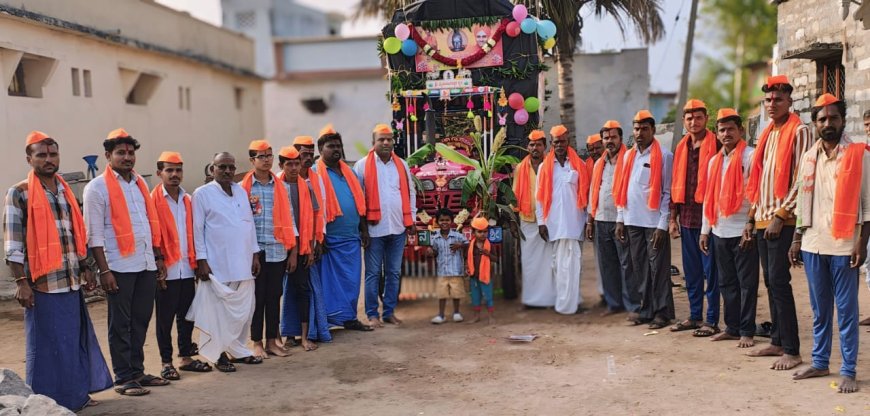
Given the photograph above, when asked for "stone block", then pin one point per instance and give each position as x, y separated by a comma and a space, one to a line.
39, 405
11, 383
12, 401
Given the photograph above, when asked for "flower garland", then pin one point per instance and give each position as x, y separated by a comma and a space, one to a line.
468, 60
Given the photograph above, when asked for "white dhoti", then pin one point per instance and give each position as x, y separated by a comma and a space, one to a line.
566, 268
539, 284
222, 313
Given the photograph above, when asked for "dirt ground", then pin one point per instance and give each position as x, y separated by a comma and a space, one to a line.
581, 364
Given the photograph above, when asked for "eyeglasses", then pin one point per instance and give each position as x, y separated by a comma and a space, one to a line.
264, 157
225, 167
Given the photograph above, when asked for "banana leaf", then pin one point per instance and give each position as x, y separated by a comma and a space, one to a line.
452, 155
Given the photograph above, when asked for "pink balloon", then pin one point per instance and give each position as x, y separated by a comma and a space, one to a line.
516, 101
521, 117
402, 31
520, 12
513, 29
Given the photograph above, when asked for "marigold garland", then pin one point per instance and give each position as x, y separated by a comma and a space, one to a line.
468, 60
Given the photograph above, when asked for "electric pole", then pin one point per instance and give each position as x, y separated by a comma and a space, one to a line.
684, 79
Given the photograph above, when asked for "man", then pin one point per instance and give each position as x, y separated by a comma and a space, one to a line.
175, 294
297, 288
725, 210
539, 286
866, 321
46, 251
772, 190
227, 259
346, 233
124, 236
276, 236
691, 160
562, 193
620, 284
833, 216
594, 149
642, 197
391, 205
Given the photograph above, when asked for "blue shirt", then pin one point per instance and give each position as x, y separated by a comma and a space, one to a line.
448, 262
346, 225
262, 200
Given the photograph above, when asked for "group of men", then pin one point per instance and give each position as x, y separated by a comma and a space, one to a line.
219, 259
789, 202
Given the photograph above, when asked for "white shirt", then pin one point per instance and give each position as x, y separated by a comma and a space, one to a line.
391, 222
732, 225
223, 231
565, 221
181, 269
606, 207
636, 212
98, 218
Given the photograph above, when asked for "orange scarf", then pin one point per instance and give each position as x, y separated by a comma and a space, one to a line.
846, 194
590, 165
783, 161
44, 254
169, 231
623, 177
681, 161
373, 199
545, 181
484, 262
120, 214
597, 176
523, 187
282, 212
333, 209
306, 214
319, 217
725, 194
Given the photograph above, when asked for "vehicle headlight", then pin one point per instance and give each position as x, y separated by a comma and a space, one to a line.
427, 185
455, 184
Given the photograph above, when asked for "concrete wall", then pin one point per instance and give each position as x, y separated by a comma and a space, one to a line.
253, 19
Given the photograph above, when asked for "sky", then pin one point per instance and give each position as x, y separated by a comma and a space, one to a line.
665, 56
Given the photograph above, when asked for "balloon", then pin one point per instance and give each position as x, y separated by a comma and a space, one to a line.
402, 31
521, 117
532, 104
513, 29
516, 101
409, 47
529, 26
392, 45
520, 12
550, 43
546, 29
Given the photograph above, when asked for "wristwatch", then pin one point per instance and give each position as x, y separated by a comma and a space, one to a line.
90, 263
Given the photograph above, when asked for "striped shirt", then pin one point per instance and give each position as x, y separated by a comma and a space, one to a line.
768, 205
262, 200
448, 262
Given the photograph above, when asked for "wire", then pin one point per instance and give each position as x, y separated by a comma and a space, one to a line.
670, 40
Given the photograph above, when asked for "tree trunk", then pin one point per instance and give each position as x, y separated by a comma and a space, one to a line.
565, 71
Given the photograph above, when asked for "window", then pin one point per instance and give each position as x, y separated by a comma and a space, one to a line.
76, 85
31, 74
17, 87
142, 89
180, 97
187, 98
239, 95
86, 77
831, 76
246, 20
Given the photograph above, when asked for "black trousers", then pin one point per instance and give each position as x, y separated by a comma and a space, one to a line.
777, 278
621, 284
653, 268
268, 288
172, 305
129, 315
738, 284
300, 288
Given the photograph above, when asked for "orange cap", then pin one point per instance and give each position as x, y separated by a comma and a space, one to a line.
327, 129
777, 79
725, 113
826, 99
694, 104
557, 131
117, 134
643, 115
382, 129
595, 138
303, 141
537, 135
611, 124
259, 145
170, 157
35, 137
480, 223
289, 152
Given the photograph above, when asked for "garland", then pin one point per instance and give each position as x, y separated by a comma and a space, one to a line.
466, 22
468, 60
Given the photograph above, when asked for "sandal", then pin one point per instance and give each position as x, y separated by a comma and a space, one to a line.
196, 366
356, 325
657, 324
223, 364
685, 325
706, 331
152, 381
132, 389
170, 373
248, 360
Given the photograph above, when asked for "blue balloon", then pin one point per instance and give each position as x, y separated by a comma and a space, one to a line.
546, 29
409, 47
529, 26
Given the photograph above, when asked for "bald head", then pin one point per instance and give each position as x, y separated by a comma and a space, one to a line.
224, 168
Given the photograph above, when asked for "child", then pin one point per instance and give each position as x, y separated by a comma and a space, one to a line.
447, 246
479, 269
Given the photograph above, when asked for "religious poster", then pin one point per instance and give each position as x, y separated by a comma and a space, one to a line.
458, 43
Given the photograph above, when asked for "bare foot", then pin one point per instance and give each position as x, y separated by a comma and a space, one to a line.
723, 336
632, 316
786, 362
768, 351
307, 345
92, 402
608, 312
491, 320
474, 320
258, 350
848, 385
375, 322
273, 348
746, 342
865, 321
810, 372
393, 320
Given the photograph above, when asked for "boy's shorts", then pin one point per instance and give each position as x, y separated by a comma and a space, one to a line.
450, 287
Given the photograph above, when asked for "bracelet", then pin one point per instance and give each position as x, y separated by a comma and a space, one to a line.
18, 279
795, 242
104, 272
